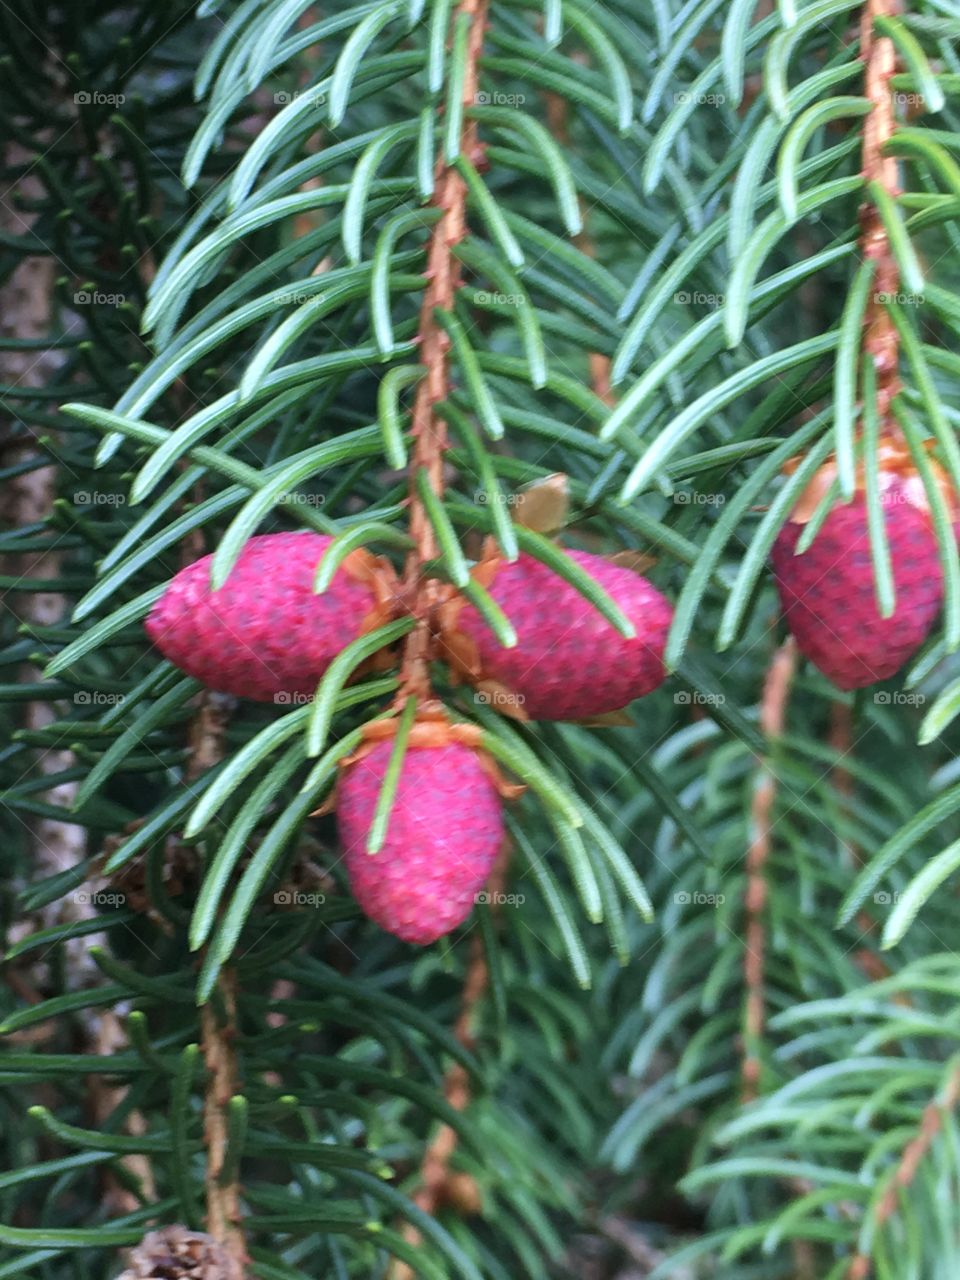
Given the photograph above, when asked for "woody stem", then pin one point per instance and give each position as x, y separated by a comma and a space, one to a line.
428, 427
881, 342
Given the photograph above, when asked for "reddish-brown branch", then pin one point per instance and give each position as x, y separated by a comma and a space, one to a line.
931, 1122
223, 1199
428, 428
439, 1185
881, 342
776, 691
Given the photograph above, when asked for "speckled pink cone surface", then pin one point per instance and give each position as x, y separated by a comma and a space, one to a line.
445, 831
265, 632
828, 598
569, 662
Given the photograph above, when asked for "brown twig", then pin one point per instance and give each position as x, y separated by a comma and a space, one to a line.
776, 690
881, 341
428, 428
224, 1215
218, 1024
438, 1184
931, 1122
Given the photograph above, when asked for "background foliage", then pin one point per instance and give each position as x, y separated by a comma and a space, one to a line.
227, 212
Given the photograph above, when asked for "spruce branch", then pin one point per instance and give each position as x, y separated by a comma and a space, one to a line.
881, 340
429, 427
773, 708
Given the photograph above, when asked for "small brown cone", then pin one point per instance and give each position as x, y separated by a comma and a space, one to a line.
175, 1253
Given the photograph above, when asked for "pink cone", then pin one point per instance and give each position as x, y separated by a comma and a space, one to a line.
445, 831
265, 634
569, 662
828, 596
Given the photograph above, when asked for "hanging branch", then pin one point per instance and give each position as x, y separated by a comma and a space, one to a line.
428, 427
438, 1184
222, 1196
218, 1025
881, 341
776, 690
931, 1122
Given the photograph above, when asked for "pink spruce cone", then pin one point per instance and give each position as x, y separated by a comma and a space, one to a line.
828, 596
266, 634
569, 663
445, 831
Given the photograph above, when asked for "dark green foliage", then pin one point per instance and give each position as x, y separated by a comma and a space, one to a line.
238, 216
